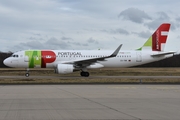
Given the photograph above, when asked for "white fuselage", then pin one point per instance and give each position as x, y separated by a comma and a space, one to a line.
123, 58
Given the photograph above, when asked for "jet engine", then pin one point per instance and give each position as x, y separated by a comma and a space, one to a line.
64, 68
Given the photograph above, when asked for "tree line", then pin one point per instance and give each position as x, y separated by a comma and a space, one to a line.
3, 56
169, 62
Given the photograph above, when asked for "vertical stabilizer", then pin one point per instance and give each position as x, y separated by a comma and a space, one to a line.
157, 41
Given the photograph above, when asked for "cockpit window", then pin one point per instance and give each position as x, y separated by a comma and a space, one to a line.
14, 56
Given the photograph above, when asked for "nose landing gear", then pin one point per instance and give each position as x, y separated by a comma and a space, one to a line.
27, 72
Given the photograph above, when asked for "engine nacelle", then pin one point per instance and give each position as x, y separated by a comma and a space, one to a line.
64, 68
95, 65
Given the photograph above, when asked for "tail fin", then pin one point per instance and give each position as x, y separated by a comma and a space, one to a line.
157, 41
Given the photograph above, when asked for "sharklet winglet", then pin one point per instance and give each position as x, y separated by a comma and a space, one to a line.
116, 51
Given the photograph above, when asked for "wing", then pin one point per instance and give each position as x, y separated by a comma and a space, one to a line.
87, 62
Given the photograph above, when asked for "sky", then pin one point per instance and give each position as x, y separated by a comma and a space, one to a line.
85, 24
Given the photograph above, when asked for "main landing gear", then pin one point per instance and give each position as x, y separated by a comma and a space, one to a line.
85, 74
27, 72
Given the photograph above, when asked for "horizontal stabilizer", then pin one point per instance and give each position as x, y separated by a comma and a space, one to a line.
163, 53
177, 52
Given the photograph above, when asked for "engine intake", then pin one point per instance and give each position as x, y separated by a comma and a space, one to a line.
64, 68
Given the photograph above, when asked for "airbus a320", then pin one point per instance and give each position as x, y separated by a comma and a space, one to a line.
68, 61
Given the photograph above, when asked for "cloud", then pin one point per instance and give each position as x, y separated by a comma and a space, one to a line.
91, 40
35, 38
54, 43
37, 34
153, 24
178, 19
143, 34
161, 17
134, 15
116, 31
29, 45
76, 43
85, 45
81, 24
66, 38
32, 38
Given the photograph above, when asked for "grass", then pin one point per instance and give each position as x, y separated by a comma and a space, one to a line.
90, 80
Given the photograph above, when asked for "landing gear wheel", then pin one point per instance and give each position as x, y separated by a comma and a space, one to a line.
27, 74
85, 74
82, 73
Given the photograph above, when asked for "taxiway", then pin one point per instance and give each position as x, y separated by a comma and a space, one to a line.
70, 77
90, 102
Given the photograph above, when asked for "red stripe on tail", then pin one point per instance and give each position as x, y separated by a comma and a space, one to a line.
160, 36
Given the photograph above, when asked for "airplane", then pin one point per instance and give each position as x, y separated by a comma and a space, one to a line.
68, 61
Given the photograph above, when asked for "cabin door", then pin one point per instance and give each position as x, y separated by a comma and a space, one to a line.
138, 57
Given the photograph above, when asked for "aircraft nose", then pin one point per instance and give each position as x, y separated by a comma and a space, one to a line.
6, 62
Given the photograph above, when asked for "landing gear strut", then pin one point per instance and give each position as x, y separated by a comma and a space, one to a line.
27, 72
85, 74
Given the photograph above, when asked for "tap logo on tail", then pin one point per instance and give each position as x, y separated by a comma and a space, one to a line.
159, 37
157, 40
